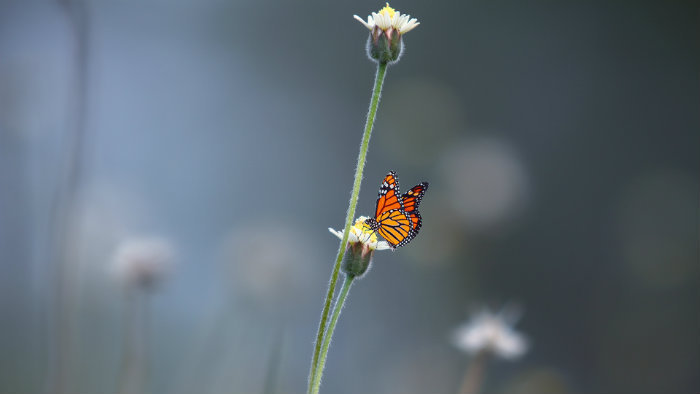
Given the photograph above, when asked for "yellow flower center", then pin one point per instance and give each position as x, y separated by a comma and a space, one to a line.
363, 232
388, 11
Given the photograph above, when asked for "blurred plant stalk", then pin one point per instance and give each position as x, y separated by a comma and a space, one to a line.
133, 374
474, 374
61, 309
315, 385
139, 264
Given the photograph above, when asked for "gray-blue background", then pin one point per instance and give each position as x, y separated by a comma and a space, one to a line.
561, 141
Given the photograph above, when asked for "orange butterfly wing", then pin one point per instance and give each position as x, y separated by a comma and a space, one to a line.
395, 227
388, 195
411, 199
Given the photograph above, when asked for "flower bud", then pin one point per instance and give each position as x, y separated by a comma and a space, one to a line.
384, 46
142, 262
357, 259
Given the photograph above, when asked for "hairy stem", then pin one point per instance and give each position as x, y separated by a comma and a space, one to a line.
361, 158
316, 384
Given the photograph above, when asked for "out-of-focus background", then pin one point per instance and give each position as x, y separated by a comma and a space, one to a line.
561, 141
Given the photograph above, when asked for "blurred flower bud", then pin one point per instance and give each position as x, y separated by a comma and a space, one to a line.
142, 262
492, 333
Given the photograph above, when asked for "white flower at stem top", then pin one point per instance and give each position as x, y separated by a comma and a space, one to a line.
488, 332
388, 18
386, 28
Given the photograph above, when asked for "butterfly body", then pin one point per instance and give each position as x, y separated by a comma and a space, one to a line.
396, 217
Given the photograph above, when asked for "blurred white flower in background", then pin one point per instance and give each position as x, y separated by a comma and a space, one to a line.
487, 181
142, 262
492, 333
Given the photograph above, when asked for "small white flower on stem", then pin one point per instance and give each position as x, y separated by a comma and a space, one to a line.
488, 332
386, 28
362, 242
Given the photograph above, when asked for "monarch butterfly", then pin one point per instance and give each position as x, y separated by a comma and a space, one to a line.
396, 217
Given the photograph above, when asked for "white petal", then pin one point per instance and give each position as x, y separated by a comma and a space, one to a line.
400, 21
393, 19
381, 20
352, 237
367, 24
412, 24
383, 245
375, 17
336, 233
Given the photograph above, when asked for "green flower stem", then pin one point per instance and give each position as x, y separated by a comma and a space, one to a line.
376, 93
316, 384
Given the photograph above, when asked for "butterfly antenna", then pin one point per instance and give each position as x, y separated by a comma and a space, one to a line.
371, 234
367, 237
